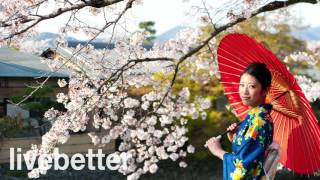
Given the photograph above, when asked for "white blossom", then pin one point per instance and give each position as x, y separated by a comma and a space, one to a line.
172, 148
183, 121
152, 96
165, 120
152, 120
204, 103
185, 93
195, 114
153, 168
35, 173
183, 164
158, 133
141, 134
106, 123
174, 156
161, 153
309, 88
51, 114
137, 38
105, 139
130, 103
62, 98
190, 149
302, 57
95, 139
145, 105
133, 176
62, 82
203, 115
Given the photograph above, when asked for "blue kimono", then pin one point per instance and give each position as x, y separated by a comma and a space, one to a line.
253, 137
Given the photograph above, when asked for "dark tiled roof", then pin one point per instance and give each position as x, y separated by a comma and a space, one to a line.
14, 70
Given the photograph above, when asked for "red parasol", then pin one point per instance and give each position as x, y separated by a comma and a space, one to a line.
296, 129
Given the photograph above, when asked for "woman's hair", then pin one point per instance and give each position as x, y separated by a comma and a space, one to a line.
260, 72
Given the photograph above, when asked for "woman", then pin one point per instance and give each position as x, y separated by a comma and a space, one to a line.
251, 138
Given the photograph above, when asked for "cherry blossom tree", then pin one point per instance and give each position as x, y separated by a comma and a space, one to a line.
152, 126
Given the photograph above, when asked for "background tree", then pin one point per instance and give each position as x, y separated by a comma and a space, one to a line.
148, 27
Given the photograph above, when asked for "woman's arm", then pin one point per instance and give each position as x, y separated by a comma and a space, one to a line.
215, 147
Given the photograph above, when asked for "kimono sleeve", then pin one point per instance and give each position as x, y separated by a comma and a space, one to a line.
244, 162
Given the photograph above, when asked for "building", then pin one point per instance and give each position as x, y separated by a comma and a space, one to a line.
21, 70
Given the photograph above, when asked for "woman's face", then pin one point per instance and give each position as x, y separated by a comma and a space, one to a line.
250, 90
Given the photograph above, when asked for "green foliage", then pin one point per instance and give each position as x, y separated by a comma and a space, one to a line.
45, 91
148, 26
35, 105
42, 92
16, 99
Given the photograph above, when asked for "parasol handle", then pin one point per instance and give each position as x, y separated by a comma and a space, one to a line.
223, 134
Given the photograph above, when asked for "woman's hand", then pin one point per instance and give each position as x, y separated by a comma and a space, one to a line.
232, 129
215, 147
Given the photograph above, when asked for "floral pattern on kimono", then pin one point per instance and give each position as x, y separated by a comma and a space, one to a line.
253, 137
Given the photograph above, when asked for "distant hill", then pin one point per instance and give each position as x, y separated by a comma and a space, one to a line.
73, 42
309, 34
170, 34
51, 36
